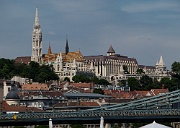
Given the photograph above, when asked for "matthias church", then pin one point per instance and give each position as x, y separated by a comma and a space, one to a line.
109, 66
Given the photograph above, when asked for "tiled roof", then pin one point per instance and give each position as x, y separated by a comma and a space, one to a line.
23, 59
102, 58
81, 85
66, 58
81, 103
12, 108
84, 95
35, 87
51, 94
118, 94
143, 93
159, 91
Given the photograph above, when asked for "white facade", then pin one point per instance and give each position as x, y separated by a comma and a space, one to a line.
67, 69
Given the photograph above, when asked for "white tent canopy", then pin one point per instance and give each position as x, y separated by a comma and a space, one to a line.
155, 125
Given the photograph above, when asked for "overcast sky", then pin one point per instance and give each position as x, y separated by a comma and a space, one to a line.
143, 29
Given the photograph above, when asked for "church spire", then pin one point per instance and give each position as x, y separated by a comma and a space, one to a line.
67, 47
49, 49
36, 24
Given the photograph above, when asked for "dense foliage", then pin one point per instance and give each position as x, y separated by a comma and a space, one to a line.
77, 126
89, 77
98, 90
8, 69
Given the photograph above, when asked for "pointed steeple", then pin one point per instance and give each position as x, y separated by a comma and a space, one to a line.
111, 51
36, 24
49, 49
67, 46
161, 62
157, 63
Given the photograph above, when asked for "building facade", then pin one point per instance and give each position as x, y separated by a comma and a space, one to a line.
112, 64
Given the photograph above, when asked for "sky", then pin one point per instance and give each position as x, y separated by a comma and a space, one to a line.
141, 29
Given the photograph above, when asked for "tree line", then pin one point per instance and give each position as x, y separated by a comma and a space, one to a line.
39, 73
43, 73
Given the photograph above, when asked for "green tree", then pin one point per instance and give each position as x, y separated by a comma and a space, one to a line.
77, 126
145, 81
125, 69
175, 67
122, 83
35, 68
41, 126
98, 90
81, 78
133, 83
103, 82
116, 125
67, 79
140, 71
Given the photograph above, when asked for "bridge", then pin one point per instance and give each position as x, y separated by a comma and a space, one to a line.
163, 107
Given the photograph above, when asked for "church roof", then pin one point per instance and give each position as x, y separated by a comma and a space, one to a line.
66, 58
111, 50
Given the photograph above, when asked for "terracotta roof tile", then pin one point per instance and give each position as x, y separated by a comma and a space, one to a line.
35, 87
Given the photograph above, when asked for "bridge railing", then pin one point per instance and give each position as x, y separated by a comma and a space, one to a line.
86, 114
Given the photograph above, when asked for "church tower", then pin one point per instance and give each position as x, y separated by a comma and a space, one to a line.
67, 46
36, 41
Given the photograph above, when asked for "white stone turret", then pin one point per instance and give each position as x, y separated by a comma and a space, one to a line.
161, 68
91, 67
58, 65
74, 66
36, 40
161, 63
121, 71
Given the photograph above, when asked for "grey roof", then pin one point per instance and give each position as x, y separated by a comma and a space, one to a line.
102, 58
111, 50
85, 95
12, 95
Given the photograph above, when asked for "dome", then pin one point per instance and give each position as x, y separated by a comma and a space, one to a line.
12, 95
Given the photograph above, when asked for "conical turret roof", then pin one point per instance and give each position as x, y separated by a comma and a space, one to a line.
111, 50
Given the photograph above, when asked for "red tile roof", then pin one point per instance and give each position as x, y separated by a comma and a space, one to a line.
43, 93
82, 104
36, 86
81, 85
159, 91
12, 108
